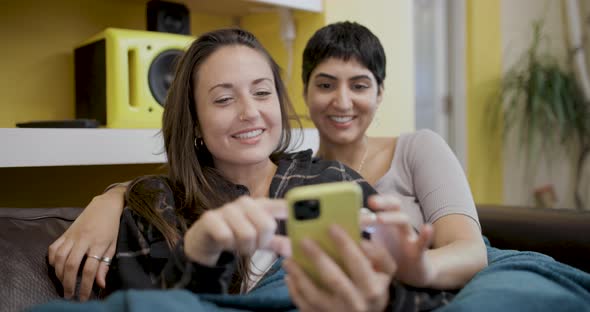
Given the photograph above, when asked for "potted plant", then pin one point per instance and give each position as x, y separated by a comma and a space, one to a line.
545, 104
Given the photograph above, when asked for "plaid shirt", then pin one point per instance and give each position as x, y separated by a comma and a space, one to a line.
144, 260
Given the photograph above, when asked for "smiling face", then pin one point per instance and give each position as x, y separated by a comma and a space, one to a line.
342, 97
238, 106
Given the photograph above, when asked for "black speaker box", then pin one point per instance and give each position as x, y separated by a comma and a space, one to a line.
168, 17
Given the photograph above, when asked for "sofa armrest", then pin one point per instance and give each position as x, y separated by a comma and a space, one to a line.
25, 235
560, 233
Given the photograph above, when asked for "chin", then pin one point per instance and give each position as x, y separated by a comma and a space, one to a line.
341, 137
253, 157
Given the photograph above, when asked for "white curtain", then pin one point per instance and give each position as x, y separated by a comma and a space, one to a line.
578, 27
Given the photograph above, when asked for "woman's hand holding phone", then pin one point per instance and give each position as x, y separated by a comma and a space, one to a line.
331, 268
360, 283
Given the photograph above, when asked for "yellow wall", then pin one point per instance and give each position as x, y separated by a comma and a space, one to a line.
484, 70
392, 22
64, 186
266, 27
36, 59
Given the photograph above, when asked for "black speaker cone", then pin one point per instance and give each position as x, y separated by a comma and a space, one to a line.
161, 74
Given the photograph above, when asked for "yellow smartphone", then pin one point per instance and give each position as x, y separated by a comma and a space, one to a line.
313, 209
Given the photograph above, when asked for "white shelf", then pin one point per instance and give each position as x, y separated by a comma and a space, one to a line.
71, 147
305, 5
239, 8
74, 147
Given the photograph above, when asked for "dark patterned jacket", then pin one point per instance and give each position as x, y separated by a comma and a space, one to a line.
144, 260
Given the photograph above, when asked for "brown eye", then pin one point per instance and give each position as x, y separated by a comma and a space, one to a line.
262, 93
223, 100
360, 87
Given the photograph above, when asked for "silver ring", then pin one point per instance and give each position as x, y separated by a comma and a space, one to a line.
106, 260
369, 213
95, 257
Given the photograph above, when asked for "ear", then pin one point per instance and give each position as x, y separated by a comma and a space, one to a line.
380, 94
305, 95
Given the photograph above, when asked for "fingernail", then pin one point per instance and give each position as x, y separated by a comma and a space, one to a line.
333, 230
285, 266
379, 200
306, 244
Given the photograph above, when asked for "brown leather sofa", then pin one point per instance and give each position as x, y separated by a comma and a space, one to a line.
25, 233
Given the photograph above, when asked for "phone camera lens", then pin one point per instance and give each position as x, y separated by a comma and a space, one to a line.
307, 209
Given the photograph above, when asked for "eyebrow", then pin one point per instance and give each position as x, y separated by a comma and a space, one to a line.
229, 85
222, 85
357, 77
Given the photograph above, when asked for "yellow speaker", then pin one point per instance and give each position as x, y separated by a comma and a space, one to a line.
122, 76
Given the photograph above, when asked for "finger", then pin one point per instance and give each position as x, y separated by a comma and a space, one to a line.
296, 296
367, 218
381, 259
277, 208
103, 267
61, 257
384, 203
217, 228
243, 230
313, 296
356, 263
425, 237
329, 272
71, 267
280, 245
52, 250
264, 223
89, 273
398, 219
207, 237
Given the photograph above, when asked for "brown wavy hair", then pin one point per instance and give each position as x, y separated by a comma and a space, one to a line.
196, 184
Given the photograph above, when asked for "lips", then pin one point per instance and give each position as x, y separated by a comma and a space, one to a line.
342, 122
341, 119
248, 134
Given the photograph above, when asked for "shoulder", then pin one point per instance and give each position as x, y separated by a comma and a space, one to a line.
421, 136
424, 141
304, 163
150, 184
151, 194
314, 170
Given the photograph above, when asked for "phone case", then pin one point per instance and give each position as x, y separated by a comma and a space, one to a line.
340, 203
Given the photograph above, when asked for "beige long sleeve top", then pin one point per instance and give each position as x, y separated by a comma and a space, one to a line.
428, 179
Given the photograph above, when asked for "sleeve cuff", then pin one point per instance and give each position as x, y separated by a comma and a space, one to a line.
125, 184
184, 273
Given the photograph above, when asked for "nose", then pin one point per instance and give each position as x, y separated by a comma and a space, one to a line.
248, 110
342, 100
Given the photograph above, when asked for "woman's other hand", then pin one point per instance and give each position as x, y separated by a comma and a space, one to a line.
393, 230
93, 233
365, 288
243, 225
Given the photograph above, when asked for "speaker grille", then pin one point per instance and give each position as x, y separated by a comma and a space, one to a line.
161, 74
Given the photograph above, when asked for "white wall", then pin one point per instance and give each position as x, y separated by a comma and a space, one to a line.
517, 19
391, 21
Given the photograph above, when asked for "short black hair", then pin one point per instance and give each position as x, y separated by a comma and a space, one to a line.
344, 40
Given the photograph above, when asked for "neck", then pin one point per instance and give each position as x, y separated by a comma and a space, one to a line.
350, 154
256, 177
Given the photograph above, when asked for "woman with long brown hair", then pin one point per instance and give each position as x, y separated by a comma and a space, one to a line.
210, 224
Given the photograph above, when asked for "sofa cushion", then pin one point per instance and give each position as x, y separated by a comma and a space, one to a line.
25, 234
559, 233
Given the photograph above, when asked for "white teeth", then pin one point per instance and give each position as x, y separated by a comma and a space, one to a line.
249, 135
341, 119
